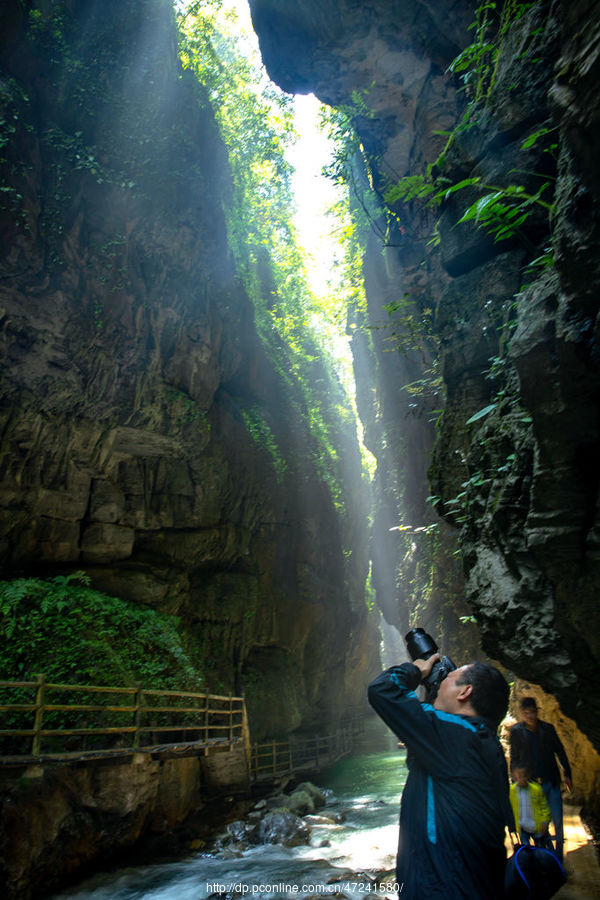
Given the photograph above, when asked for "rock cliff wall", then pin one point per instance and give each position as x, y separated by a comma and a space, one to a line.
521, 481
59, 822
146, 436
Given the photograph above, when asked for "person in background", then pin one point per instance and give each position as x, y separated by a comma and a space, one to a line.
536, 745
530, 809
455, 801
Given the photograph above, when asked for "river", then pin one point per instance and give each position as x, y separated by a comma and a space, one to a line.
365, 788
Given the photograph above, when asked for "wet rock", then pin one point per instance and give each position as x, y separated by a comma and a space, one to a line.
240, 830
321, 820
301, 803
278, 801
318, 797
282, 828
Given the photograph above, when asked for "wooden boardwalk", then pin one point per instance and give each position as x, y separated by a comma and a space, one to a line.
51, 726
273, 759
51, 722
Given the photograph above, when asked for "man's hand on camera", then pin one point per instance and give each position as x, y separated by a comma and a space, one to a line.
426, 665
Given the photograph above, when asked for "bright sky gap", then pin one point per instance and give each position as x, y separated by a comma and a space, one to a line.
314, 193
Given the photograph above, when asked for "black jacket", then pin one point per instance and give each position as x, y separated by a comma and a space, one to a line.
538, 751
455, 801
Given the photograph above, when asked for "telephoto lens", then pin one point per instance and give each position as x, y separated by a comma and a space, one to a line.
421, 645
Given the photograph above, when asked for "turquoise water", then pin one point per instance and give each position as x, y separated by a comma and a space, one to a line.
365, 788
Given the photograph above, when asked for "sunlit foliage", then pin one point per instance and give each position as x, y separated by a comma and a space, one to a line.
256, 123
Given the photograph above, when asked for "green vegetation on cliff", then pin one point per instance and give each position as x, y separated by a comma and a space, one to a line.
79, 635
256, 124
509, 209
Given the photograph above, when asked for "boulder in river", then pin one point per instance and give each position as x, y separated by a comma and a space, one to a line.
318, 797
240, 831
301, 803
320, 820
278, 801
282, 828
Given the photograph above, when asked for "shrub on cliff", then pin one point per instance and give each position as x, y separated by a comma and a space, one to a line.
72, 633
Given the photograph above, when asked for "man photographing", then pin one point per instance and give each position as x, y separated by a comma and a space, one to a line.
455, 802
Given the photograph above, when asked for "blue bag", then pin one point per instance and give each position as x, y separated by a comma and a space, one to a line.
533, 873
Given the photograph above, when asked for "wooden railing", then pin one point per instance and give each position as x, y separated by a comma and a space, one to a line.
53, 727
126, 718
274, 758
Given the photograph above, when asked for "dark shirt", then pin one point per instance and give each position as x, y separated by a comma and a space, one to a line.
538, 751
455, 801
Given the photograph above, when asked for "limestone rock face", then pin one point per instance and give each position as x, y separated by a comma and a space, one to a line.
521, 481
53, 827
134, 384
394, 58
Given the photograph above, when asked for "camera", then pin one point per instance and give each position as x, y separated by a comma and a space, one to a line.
421, 645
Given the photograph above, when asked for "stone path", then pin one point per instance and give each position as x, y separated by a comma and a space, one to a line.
581, 861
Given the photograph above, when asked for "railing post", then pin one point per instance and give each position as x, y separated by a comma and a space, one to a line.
230, 721
40, 696
206, 718
137, 715
274, 757
246, 737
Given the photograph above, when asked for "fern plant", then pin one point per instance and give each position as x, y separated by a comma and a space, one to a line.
75, 634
